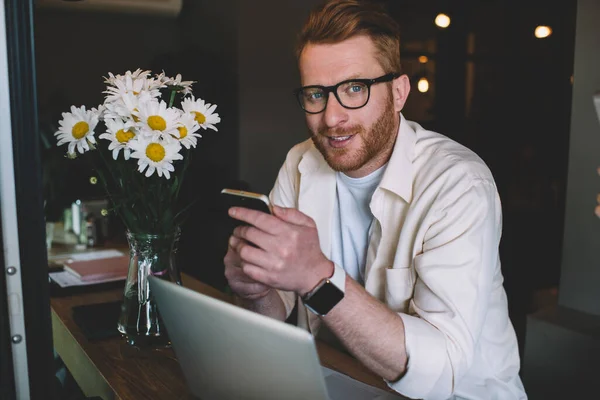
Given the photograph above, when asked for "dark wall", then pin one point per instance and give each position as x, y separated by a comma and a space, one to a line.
271, 121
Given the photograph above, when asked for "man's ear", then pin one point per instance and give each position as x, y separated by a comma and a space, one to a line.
400, 91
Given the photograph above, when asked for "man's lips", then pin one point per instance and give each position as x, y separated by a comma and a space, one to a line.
339, 141
339, 138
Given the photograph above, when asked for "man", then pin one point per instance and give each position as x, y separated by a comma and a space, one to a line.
385, 234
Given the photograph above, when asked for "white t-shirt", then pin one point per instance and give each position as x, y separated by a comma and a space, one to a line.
352, 222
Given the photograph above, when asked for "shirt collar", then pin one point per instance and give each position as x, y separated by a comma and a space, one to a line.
397, 177
312, 159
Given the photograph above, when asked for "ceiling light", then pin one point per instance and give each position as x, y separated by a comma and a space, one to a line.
423, 59
423, 85
542, 31
442, 20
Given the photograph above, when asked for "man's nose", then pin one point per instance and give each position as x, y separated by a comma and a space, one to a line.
334, 113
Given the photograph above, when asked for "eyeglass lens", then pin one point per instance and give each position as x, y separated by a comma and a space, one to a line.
349, 94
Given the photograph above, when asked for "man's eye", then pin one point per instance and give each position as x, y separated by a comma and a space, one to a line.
356, 88
313, 96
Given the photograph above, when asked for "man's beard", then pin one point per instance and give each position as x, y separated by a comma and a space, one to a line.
378, 139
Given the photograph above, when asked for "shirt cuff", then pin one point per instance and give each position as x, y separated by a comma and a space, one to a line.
339, 277
427, 362
289, 301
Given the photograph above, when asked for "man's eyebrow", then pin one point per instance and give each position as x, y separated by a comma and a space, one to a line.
348, 78
352, 76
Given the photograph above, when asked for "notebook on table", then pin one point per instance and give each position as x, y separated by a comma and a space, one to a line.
226, 352
105, 269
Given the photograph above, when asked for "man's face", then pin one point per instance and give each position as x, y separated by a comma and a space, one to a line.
356, 142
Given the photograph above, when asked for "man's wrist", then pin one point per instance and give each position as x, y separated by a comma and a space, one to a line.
327, 293
339, 277
329, 268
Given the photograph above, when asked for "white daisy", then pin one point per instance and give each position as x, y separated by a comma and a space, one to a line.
187, 131
136, 83
155, 155
135, 74
153, 85
186, 86
126, 106
119, 134
156, 119
77, 129
202, 112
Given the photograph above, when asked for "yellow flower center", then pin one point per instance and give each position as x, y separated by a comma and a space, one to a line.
155, 152
182, 132
135, 117
200, 118
124, 136
80, 129
157, 123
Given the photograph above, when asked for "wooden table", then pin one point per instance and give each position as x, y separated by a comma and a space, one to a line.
111, 369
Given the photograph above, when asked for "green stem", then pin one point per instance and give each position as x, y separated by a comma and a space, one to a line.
186, 163
115, 179
172, 98
106, 187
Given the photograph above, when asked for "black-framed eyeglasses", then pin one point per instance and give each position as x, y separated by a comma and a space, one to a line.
351, 93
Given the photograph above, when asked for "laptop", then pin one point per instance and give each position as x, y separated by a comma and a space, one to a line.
226, 352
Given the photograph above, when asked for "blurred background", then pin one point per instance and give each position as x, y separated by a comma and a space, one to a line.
495, 75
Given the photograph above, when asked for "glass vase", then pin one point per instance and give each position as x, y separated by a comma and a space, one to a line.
149, 254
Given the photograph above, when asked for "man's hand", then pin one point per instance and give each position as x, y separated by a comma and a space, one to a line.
287, 254
240, 283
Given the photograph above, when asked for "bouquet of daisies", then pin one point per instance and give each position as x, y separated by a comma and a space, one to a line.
148, 127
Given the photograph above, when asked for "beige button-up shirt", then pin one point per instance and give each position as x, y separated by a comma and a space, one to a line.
432, 258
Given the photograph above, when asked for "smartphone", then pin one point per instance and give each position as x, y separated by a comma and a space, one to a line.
240, 198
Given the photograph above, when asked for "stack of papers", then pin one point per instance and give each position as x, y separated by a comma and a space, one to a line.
90, 268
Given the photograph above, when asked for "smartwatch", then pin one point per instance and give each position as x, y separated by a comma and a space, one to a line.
327, 294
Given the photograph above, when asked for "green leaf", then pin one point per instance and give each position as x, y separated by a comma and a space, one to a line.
175, 185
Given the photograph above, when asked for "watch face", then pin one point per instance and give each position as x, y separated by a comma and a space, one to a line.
325, 298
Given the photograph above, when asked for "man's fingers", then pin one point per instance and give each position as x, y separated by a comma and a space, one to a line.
255, 296
241, 283
263, 221
249, 290
293, 216
235, 274
250, 254
234, 242
251, 234
257, 273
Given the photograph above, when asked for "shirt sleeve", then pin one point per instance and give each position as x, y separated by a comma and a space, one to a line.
455, 276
